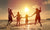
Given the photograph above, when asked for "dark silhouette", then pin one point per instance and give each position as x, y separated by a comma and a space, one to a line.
26, 19
18, 17
10, 14
38, 16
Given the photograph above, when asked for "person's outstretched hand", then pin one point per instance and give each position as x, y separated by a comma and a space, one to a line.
13, 16
32, 14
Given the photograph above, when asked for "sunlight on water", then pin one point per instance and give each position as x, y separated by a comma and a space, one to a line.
46, 26
28, 27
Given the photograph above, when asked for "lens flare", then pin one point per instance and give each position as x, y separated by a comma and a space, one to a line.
26, 9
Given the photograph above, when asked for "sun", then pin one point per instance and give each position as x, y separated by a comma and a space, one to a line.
26, 9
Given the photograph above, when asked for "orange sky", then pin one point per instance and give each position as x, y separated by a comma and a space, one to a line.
20, 5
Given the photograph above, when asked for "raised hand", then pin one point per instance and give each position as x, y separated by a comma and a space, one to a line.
13, 16
40, 8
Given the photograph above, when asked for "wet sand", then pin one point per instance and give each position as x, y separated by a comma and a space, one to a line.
45, 26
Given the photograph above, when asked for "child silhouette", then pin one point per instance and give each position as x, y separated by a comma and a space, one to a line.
18, 17
26, 18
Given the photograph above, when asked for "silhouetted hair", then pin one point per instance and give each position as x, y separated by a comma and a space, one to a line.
36, 8
17, 12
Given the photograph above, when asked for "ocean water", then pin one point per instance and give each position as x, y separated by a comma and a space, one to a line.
45, 25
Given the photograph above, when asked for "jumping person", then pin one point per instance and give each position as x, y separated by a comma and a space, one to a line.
10, 14
38, 16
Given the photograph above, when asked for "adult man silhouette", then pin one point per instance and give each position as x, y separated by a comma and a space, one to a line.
38, 16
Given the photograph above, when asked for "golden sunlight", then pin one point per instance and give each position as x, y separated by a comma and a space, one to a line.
26, 9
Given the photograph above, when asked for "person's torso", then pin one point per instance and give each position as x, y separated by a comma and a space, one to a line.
18, 17
10, 14
38, 13
26, 17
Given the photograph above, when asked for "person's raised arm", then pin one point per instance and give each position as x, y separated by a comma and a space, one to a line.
29, 16
12, 13
40, 9
22, 17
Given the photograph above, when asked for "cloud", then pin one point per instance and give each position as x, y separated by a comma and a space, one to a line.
46, 2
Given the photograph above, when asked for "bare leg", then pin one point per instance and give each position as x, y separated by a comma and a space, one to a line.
35, 21
40, 22
26, 21
16, 23
8, 23
19, 22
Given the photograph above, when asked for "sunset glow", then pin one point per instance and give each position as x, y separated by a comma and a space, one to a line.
26, 9
24, 6
24, 14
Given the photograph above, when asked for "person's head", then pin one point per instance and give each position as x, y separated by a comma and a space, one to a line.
36, 9
26, 14
10, 10
17, 12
